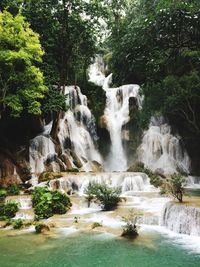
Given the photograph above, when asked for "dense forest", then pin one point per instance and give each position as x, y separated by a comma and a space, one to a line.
48, 44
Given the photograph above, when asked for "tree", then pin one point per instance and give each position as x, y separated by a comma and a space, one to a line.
21, 81
175, 186
158, 47
68, 36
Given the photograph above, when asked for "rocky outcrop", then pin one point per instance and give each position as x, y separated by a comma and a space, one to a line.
9, 171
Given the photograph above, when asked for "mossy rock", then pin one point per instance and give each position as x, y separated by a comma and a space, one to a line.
46, 176
76, 160
136, 167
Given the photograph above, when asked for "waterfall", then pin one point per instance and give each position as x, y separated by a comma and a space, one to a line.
129, 182
78, 126
97, 71
181, 219
193, 182
116, 113
41, 148
162, 150
76, 133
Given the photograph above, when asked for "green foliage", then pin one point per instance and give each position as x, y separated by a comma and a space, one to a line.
157, 46
13, 190
94, 92
108, 197
130, 229
96, 224
175, 186
3, 194
21, 81
47, 203
155, 179
54, 101
40, 227
8, 210
67, 36
18, 224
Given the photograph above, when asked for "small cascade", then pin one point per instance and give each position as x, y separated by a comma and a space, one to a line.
41, 148
193, 182
162, 150
181, 219
76, 133
129, 182
78, 127
97, 71
25, 207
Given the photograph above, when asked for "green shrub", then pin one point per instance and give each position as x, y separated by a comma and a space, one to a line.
8, 210
47, 203
3, 194
96, 224
155, 180
39, 228
18, 224
108, 197
130, 229
13, 189
175, 186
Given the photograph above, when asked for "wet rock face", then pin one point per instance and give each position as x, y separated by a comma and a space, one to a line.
8, 174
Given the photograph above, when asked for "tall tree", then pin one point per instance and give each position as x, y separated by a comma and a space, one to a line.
21, 81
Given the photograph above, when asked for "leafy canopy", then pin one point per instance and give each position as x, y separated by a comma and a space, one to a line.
21, 81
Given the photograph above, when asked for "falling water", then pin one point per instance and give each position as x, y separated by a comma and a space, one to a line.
116, 113
129, 182
162, 150
181, 219
78, 126
76, 131
41, 148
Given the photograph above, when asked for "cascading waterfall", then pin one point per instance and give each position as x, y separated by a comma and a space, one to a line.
41, 148
129, 182
116, 113
181, 219
97, 71
116, 116
162, 150
78, 125
76, 131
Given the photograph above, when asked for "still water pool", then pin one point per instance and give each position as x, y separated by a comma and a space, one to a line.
92, 250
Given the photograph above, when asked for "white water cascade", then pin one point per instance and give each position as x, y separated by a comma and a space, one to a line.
162, 150
78, 125
129, 182
181, 219
41, 148
76, 131
116, 113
